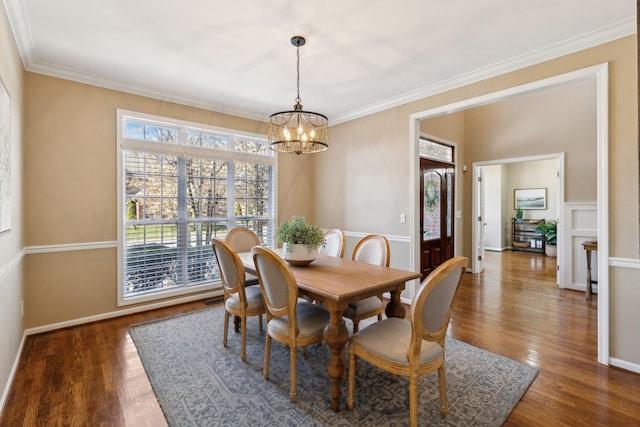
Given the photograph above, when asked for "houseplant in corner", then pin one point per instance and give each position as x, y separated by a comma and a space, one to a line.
549, 232
300, 240
519, 215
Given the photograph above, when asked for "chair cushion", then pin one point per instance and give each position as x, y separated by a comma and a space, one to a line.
389, 340
364, 306
254, 299
312, 319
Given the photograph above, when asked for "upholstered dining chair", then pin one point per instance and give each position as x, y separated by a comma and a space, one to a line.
333, 243
290, 321
372, 249
239, 300
413, 347
242, 239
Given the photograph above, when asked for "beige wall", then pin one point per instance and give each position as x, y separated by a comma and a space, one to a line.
534, 174
11, 242
70, 145
369, 162
70, 196
557, 119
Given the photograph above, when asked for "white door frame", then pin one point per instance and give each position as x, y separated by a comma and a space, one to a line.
601, 73
478, 221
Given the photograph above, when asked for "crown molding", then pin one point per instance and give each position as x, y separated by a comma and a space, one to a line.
19, 25
73, 75
600, 36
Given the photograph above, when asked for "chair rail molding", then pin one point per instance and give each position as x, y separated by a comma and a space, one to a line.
69, 247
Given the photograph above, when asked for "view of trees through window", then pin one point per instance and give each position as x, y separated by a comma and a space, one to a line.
180, 188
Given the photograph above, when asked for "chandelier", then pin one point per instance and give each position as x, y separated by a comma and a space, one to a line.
298, 131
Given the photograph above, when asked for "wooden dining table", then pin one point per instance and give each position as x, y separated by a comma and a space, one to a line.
335, 283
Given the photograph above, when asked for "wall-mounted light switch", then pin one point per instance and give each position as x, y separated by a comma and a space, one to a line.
403, 218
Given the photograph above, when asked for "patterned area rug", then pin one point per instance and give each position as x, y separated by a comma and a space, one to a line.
198, 382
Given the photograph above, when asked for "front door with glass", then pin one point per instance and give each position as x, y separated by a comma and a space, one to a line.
436, 209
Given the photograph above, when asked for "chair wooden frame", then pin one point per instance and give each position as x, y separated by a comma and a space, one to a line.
430, 314
329, 235
305, 322
352, 312
239, 301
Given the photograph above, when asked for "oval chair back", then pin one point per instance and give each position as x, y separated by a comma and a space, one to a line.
373, 249
242, 239
333, 243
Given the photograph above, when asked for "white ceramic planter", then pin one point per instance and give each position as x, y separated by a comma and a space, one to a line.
551, 250
298, 254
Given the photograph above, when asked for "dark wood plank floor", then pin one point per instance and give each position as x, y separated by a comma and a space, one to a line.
91, 374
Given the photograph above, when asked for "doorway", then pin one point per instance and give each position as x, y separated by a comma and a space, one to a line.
501, 179
437, 195
599, 74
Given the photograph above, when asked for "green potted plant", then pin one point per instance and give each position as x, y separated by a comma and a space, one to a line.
549, 232
519, 215
300, 240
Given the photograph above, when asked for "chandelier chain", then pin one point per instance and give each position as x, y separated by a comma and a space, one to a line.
298, 70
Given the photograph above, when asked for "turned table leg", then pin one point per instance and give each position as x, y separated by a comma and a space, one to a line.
394, 307
336, 336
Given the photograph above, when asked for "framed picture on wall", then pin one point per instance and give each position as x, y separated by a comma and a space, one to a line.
530, 198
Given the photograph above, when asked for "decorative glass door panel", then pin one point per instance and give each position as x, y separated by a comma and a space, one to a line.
436, 214
432, 182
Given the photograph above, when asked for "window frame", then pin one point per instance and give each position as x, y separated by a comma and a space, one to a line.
180, 148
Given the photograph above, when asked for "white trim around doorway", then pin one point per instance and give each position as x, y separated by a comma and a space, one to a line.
601, 73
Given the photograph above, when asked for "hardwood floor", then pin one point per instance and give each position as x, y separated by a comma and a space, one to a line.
91, 374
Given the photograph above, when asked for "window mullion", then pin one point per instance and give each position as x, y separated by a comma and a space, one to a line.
183, 225
231, 194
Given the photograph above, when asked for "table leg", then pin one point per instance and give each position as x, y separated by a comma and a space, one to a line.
394, 307
589, 290
336, 336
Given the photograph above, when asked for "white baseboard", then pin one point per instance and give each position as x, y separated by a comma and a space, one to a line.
582, 287
84, 320
12, 374
622, 364
112, 314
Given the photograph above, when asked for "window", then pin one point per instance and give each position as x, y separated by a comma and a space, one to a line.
180, 185
436, 151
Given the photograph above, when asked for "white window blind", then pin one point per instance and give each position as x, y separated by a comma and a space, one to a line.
180, 185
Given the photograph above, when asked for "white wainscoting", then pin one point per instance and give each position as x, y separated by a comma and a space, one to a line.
579, 223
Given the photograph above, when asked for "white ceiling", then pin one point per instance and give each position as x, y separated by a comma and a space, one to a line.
361, 56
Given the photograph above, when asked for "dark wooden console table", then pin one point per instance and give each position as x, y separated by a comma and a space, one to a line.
589, 246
